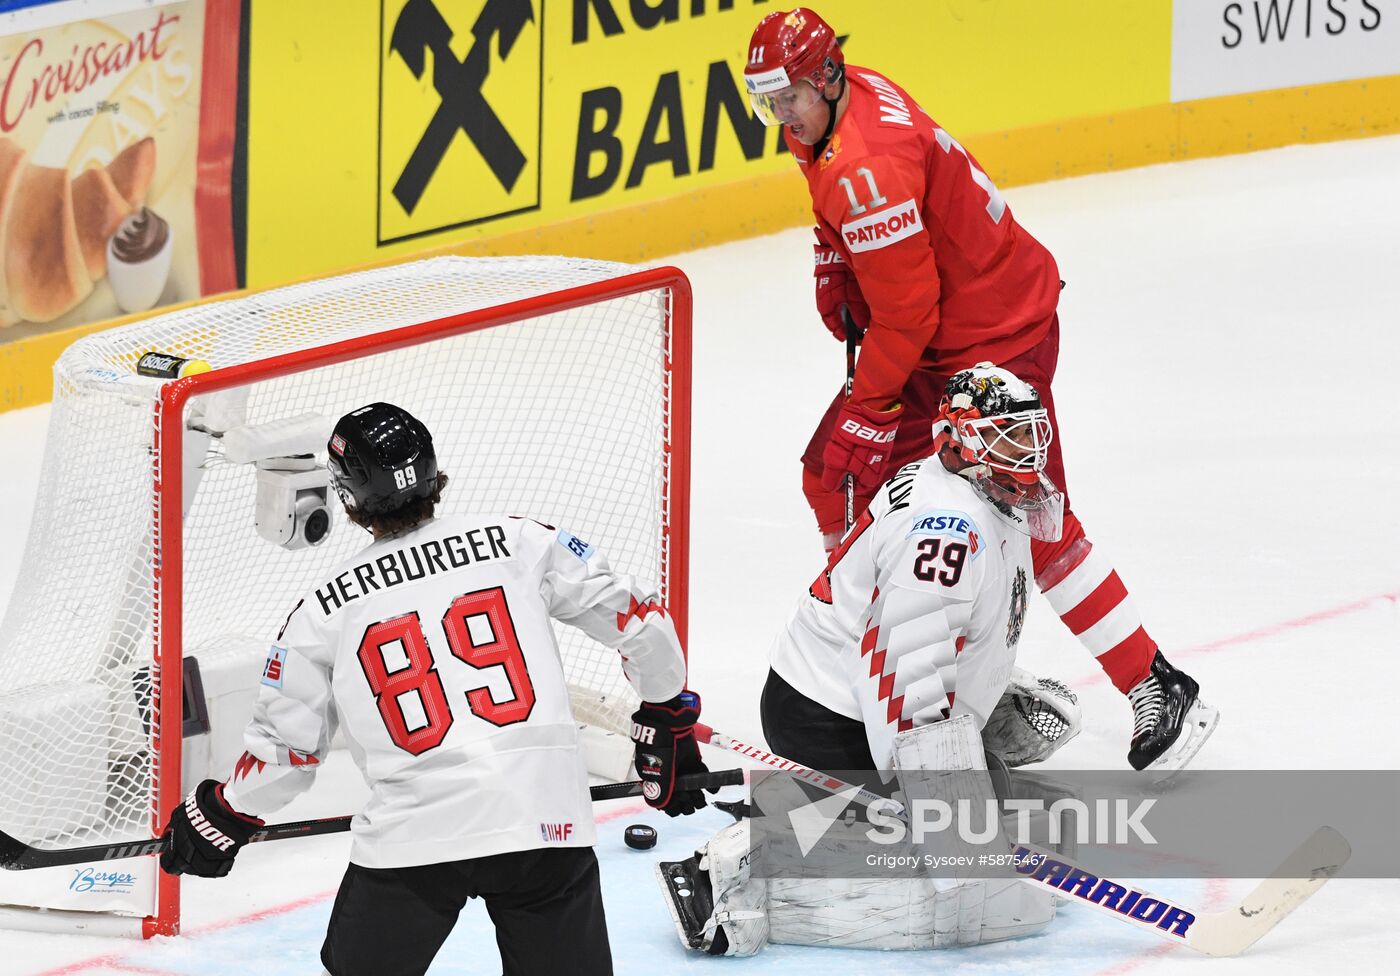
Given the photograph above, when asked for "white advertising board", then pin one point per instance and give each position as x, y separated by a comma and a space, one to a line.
1228, 47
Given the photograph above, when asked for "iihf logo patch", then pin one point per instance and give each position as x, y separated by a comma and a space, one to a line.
556, 832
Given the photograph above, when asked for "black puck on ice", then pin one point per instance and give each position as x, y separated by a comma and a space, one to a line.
639, 837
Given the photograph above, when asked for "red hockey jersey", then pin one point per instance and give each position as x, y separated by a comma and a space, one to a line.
950, 277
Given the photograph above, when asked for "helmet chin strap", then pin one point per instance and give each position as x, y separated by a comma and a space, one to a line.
831, 104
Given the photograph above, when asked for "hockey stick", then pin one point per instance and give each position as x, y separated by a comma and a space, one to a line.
1224, 933
849, 481
15, 855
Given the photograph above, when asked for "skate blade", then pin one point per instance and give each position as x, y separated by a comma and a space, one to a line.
685, 898
1200, 721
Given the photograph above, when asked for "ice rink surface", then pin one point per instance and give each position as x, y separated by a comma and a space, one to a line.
1228, 392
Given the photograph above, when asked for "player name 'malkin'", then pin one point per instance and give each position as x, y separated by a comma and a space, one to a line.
414, 562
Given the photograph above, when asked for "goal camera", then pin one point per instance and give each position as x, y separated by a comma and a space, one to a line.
292, 501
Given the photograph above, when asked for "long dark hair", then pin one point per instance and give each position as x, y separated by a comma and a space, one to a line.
404, 517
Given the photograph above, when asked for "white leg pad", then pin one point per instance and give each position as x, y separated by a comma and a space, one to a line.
741, 902
893, 913
903, 913
948, 746
967, 911
953, 750
990, 910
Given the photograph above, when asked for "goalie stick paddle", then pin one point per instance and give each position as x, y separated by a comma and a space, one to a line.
1224, 933
15, 855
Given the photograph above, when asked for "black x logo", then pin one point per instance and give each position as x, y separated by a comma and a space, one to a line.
421, 28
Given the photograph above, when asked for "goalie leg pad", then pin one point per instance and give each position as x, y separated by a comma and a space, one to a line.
903, 913
945, 762
882, 913
953, 745
687, 892
990, 911
717, 907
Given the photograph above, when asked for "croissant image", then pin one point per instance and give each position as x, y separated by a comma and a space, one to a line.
54, 230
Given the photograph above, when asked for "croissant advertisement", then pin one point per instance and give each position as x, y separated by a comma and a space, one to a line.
99, 129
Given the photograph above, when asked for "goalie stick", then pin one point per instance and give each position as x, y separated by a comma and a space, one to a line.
1223, 933
15, 855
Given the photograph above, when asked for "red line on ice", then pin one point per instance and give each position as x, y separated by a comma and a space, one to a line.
1216, 892
1259, 633
113, 961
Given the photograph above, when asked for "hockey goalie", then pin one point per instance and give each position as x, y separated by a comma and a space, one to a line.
902, 657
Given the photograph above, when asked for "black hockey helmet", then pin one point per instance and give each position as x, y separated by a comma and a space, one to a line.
380, 458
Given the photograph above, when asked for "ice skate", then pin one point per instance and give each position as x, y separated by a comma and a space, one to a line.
1170, 722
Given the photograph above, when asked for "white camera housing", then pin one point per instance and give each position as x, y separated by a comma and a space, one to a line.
292, 507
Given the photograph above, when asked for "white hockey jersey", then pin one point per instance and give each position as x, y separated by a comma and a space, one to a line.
917, 614
433, 650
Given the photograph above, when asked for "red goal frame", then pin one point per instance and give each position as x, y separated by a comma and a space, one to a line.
168, 489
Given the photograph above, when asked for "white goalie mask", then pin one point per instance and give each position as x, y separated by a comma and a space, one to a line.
1001, 434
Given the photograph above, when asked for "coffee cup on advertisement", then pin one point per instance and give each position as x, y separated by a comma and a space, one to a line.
138, 260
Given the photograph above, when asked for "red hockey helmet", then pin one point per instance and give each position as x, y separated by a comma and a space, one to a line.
787, 49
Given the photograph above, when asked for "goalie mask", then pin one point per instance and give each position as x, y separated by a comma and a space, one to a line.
993, 423
380, 458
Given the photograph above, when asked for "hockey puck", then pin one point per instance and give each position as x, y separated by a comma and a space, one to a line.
639, 837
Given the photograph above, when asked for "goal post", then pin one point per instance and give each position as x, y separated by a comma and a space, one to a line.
555, 388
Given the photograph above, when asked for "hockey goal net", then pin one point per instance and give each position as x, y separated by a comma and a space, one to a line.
555, 388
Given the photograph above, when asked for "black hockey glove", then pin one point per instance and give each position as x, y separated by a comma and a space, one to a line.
205, 833
664, 736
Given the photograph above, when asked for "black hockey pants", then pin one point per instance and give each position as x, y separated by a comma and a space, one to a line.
546, 904
809, 733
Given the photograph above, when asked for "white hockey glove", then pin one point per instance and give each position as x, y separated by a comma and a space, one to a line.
1035, 718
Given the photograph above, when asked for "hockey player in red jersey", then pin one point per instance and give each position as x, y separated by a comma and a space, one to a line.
916, 242
433, 650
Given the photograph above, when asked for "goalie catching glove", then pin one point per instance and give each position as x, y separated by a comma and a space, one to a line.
205, 833
1034, 718
664, 736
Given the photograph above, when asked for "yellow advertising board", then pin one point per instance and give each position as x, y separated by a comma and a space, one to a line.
477, 118
368, 131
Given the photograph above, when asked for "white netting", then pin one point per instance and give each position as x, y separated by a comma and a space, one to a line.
562, 417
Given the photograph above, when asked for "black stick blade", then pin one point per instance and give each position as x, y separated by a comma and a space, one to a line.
10, 850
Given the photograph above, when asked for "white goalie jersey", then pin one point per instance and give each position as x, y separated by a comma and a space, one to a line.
918, 612
433, 650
